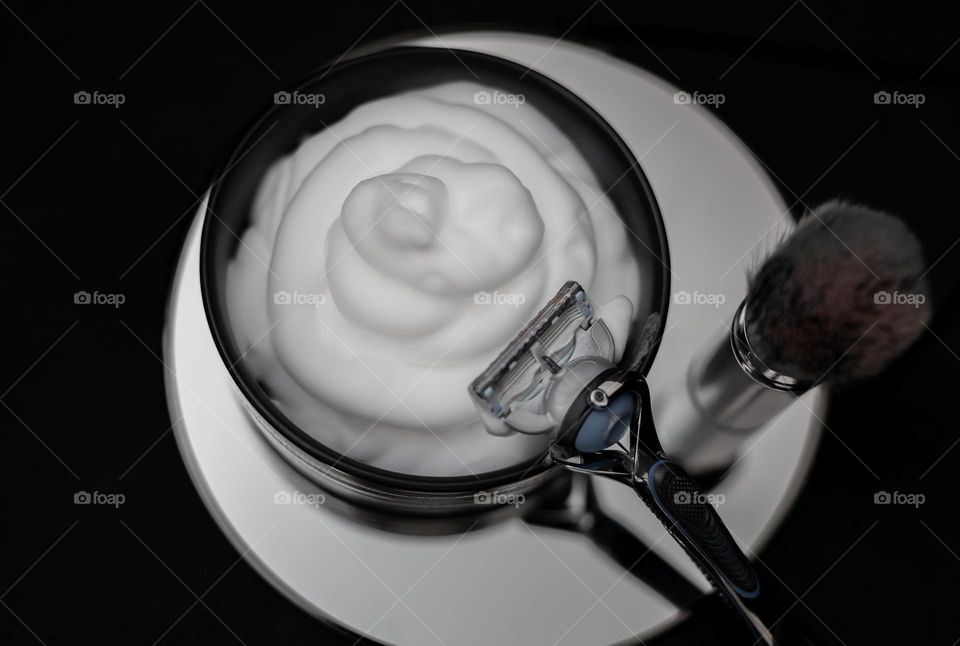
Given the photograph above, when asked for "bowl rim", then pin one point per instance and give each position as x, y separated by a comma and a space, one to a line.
327, 461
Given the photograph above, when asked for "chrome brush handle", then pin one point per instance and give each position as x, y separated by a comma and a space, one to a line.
726, 396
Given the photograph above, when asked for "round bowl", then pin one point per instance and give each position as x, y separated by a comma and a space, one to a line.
383, 496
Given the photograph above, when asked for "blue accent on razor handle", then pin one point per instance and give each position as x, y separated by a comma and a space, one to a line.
605, 427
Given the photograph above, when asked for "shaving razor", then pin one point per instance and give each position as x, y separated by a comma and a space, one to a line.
560, 378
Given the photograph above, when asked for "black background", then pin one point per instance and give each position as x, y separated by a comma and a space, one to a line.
96, 198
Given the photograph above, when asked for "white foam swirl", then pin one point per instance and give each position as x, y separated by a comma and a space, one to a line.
392, 255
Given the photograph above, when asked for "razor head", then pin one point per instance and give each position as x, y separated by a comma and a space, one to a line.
531, 384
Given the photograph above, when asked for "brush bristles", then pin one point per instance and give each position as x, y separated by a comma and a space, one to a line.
840, 297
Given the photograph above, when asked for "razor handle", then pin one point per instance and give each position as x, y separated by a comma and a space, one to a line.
686, 510
691, 519
688, 515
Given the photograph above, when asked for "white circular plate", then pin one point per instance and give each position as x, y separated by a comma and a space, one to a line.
510, 583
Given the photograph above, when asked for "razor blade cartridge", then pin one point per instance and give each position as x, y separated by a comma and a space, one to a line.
530, 385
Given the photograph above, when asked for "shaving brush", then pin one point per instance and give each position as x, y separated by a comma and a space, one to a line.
837, 300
